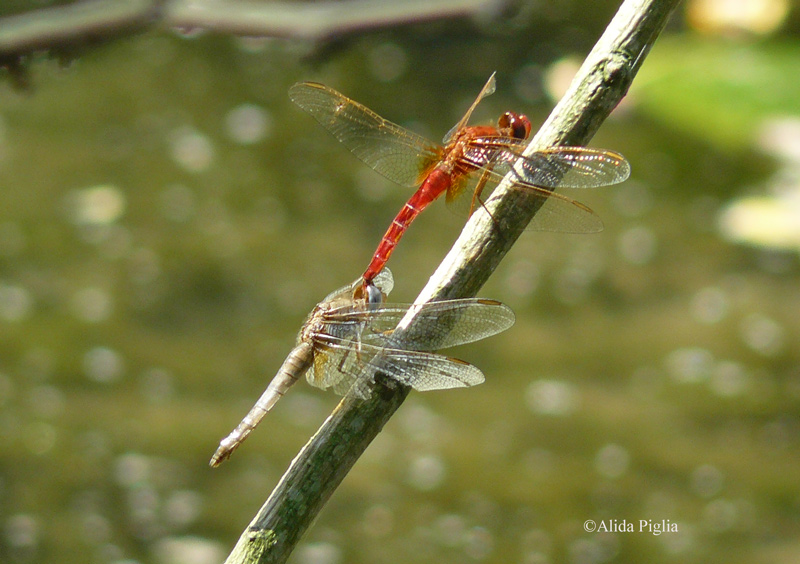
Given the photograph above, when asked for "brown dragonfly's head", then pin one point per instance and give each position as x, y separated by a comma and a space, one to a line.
369, 293
516, 125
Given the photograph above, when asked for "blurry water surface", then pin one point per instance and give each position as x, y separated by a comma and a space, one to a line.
167, 219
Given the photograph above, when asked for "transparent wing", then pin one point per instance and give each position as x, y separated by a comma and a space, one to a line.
571, 167
554, 167
429, 371
346, 294
337, 364
391, 150
487, 90
438, 325
342, 364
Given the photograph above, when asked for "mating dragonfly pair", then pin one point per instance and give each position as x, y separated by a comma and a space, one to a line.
352, 327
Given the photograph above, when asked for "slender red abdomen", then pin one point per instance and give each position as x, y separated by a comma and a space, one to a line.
434, 185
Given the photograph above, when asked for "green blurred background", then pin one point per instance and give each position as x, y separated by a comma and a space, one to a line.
168, 217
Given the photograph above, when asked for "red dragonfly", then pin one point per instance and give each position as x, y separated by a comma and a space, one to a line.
411, 160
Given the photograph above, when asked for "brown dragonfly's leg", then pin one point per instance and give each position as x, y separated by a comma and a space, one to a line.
354, 349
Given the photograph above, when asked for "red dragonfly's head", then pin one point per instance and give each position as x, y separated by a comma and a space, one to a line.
517, 125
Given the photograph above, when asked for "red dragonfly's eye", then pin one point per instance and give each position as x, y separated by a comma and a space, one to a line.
518, 124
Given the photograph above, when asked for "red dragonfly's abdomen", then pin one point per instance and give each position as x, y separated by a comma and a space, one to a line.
434, 185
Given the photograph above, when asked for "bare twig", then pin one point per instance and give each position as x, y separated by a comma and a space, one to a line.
318, 469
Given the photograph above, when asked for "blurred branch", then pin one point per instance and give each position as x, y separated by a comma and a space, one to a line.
319, 468
316, 21
80, 23
64, 30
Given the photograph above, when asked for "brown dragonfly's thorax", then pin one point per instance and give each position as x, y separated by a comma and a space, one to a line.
320, 318
315, 322
312, 325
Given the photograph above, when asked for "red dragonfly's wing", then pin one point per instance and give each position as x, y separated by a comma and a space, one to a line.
391, 150
554, 167
487, 90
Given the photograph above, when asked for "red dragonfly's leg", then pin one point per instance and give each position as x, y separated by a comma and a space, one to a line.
476, 195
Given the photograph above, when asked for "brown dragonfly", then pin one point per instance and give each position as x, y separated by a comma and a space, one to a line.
346, 332
485, 152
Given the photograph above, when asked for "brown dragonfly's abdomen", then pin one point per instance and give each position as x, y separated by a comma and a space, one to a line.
296, 365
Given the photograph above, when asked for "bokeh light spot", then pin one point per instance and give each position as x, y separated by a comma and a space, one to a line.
762, 334
248, 124
637, 245
191, 149
690, 365
92, 304
387, 62
709, 305
98, 205
426, 472
729, 379
707, 481
559, 76
103, 365
16, 302
188, 550
319, 553
551, 397
612, 461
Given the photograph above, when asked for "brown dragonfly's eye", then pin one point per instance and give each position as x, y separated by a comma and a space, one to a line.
518, 124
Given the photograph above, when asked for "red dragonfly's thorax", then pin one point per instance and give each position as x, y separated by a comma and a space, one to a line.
510, 125
455, 150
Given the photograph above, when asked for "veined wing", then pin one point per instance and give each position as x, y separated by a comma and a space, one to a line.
383, 281
391, 150
439, 324
487, 90
342, 363
553, 167
539, 174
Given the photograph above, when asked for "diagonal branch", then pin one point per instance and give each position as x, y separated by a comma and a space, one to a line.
322, 464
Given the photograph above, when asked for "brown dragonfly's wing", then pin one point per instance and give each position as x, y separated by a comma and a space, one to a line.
391, 150
441, 324
383, 281
337, 363
346, 362
423, 371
